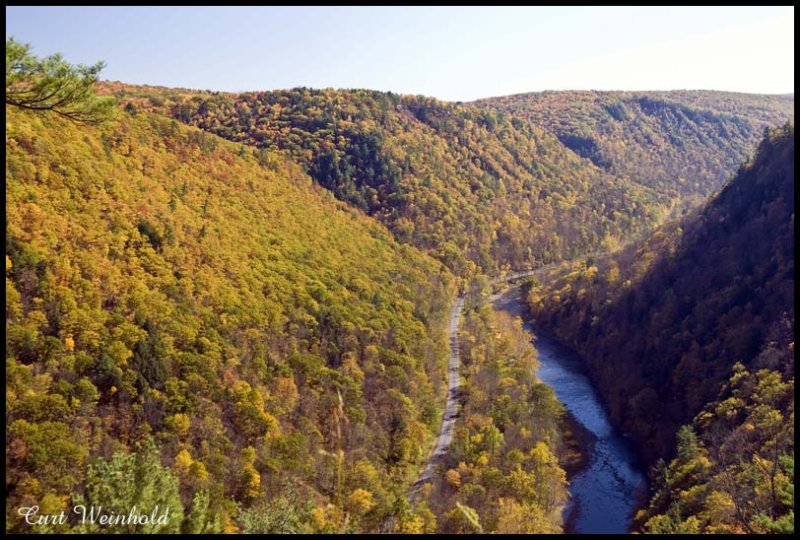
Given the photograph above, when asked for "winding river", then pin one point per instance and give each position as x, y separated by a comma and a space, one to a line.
607, 491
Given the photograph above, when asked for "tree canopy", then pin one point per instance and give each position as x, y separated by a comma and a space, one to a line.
163, 282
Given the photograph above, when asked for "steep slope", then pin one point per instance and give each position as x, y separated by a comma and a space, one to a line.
681, 143
164, 285
472, 187
734, 466
662, 323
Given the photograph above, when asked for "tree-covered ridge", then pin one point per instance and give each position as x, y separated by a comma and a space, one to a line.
165, 285
662, 323
475, 188
502, 473
681, 143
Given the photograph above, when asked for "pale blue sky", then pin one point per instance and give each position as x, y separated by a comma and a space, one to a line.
450, 53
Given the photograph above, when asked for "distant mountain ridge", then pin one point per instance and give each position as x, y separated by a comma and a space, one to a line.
681, 142
487, 184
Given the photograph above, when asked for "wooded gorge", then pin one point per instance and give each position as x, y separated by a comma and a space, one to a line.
235, 306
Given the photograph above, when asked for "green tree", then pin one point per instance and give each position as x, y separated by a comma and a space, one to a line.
286, 514
136, 480
202, 519
53, 84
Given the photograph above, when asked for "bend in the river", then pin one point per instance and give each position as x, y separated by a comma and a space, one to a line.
607, 491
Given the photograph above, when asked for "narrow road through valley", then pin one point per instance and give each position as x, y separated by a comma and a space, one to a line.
603, 495
451, 406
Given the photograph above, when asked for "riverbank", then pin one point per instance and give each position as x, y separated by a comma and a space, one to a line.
577, 441
578, 444
607, 481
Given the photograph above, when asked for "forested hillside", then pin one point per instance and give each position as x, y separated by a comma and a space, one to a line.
500, 181
210, 329
682, 144
475, 188
663, 324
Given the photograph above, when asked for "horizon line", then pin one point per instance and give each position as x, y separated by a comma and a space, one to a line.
456, 101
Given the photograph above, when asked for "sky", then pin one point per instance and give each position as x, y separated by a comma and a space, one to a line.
452, 53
